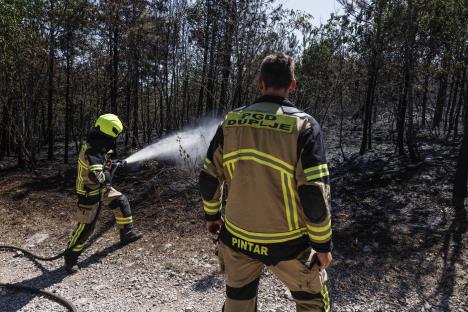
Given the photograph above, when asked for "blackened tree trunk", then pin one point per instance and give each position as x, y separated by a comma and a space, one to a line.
50, 96
460, 105
135, 53
453, 85
211, 70
408, 97
226, 62
366, 142
6, 131
167, 99
461, 174
424, 99
162, 119
115, 69
202, 90
128, 97
410, 135
441, 96
135, 96
237, 97
455, 107
67, 95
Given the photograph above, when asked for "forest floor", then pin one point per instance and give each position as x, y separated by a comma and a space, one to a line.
397, 245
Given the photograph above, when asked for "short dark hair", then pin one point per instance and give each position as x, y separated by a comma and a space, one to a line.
277, 71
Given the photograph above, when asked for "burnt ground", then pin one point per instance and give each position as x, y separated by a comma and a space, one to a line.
397, 245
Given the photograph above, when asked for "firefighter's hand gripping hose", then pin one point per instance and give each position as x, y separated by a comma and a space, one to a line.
112, 166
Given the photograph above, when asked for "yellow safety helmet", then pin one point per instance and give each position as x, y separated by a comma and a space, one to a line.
109, 124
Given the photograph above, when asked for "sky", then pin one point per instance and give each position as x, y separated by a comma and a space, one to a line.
320, 9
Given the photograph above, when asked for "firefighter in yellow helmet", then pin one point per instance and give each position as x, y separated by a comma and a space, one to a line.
92, 177
272, 158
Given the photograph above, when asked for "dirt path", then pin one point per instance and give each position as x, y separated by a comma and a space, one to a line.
396, 247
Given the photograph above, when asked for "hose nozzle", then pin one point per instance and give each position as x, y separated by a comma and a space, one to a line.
121, 163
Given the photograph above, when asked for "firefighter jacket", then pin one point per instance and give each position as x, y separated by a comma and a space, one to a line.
91, 174
271, 157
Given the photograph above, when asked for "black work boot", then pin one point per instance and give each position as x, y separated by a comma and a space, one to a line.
129, 235
71, 260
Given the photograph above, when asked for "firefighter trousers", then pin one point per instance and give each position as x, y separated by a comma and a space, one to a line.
86, 218
242, 273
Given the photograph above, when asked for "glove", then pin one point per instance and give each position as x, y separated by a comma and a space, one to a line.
108, 165
214, 227
107, 174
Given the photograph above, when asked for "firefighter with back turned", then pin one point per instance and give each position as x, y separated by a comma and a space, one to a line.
271, 157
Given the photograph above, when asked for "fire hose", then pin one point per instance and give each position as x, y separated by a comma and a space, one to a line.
59, 299
64, 302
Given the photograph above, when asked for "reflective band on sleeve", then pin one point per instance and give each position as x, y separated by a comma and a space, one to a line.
96, 167
210, 211
216, 204
211, 208
322, 237
320, 233
317, 172
318, 229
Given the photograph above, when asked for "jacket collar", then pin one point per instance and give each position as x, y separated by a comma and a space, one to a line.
274, 99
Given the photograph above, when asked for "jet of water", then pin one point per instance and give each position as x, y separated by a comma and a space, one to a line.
191, 143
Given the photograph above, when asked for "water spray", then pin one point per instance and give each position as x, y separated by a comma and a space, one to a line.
188, 143
192, 142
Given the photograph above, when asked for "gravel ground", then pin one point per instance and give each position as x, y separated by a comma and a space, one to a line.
138, 277
152, 277
396, 245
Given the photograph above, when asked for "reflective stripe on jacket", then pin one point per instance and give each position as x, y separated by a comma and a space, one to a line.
90, 173
272, 158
